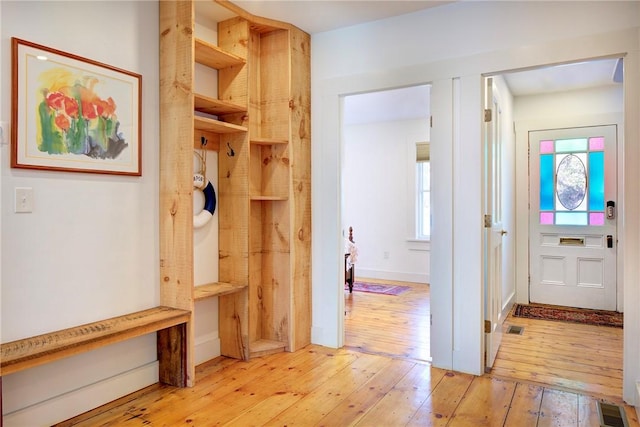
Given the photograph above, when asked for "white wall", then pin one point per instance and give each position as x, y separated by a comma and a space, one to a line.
378, 189
451, 47
90, 248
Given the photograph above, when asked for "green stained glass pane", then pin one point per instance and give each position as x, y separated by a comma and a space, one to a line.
571, 145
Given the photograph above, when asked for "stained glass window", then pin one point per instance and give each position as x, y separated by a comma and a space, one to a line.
572, 181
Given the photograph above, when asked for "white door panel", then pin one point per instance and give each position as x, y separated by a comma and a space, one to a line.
573, 264
494, 233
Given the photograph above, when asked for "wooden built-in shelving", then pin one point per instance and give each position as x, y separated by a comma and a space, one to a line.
216, 107
269, 198
214, 57
261, 111
268, 141
216, 126
215, 289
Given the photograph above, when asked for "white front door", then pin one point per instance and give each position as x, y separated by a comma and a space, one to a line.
494, 232
572, 217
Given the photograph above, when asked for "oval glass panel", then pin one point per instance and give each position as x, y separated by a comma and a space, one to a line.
571, 182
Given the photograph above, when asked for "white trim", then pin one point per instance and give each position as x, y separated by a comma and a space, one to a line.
206, 347
68, 405
392, 275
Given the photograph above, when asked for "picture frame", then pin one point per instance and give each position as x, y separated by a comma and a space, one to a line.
73, 114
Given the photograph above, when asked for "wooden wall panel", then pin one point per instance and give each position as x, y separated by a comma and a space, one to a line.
274, 89
300, 157
176, 163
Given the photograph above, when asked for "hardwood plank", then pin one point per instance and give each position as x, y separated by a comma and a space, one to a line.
558, 408
399, 405
223, 409
485, 403
525, 406
357, 403
588, 412
439, 408
335, 388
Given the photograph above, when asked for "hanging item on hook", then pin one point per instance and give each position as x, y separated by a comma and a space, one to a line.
201, 183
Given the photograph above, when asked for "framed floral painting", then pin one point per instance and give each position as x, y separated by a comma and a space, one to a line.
73, 114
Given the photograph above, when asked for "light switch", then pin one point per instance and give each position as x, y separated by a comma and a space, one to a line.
24, 200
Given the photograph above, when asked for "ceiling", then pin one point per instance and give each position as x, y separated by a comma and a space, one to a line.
314, 16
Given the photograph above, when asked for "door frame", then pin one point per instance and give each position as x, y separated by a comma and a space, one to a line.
522, 188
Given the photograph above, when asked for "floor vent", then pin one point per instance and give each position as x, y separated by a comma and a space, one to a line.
516, 330
612, 415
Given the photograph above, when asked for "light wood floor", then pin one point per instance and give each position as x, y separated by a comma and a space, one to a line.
389, 325
379, 379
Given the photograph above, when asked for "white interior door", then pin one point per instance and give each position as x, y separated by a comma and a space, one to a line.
572, 217
494, 232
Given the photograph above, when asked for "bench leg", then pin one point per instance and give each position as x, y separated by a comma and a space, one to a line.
172, 355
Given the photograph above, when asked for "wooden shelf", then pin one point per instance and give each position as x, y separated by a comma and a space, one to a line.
214, 57
269, 198
264, 347
268, 141
216, 126
208, 105
215, 289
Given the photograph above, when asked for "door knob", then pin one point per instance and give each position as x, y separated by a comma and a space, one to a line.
503, 232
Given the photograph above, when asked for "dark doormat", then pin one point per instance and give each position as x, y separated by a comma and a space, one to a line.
569, 314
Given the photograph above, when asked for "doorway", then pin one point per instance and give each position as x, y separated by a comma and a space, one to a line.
381, 135
572, 221
557, 107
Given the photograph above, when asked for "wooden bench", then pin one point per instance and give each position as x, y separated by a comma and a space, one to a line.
169, 323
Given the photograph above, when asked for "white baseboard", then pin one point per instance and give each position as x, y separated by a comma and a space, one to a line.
206, 347
392, 275
76, 402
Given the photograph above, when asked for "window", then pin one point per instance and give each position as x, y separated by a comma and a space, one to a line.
572, 181
423, 187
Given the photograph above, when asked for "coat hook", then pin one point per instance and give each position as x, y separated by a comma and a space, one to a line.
230, 153
203, 141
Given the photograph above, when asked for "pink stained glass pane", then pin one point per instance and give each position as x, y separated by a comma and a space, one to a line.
596, 218
546, 218
546, 146
596, 143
